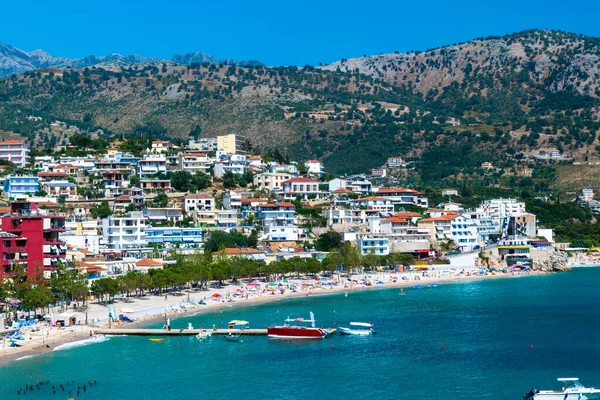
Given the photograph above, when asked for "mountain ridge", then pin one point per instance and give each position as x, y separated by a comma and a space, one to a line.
14, 61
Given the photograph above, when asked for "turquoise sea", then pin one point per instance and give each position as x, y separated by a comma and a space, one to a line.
486, 328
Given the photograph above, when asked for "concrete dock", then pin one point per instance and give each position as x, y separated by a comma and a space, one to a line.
185, 332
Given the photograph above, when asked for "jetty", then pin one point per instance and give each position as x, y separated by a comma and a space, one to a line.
186, 332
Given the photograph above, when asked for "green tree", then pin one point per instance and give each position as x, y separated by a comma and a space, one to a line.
229, 181
161, 199
351, 255
253, 239
400, 259
38, 296
221, 240
328, 241
181, 180
101, 210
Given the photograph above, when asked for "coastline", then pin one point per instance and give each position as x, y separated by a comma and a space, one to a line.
80, 333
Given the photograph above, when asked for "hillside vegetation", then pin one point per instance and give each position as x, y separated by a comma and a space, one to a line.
513, 95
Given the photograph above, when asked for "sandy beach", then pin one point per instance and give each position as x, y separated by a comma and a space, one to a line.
152, 309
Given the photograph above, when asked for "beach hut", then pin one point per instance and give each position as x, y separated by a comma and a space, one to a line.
66, 318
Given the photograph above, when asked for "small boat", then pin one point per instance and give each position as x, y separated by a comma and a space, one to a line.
156, 340
203, 335
572, 390
233, 337
358, 329
294, 329
418, 287
433, 285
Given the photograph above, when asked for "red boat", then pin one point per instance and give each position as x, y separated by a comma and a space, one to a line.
296, 329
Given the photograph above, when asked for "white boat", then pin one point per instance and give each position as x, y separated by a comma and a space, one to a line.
203, 335
358, 328
233, 337
572, 390
238, 324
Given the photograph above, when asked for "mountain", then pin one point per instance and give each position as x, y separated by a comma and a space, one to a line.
16, 61
550, 60
504, 100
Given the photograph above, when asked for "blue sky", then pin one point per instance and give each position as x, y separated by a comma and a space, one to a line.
276, 32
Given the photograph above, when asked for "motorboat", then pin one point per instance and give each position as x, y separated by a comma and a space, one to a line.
203, 335
296, 328
156, 340
572, 390
233, 337
358, 329
238, 324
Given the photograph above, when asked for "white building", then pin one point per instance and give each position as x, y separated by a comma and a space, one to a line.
346, 217
160, 146
271, 181
14, 151
232, 200
452, 227
283, 233
195, 162
305, 187
160, 214
380, 204
152, 164
502, 209
402, 196
487, 227
124, 232
395, 162
198, 202
235, 164
314, 167
373, 244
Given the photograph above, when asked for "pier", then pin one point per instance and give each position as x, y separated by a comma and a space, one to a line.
186, 332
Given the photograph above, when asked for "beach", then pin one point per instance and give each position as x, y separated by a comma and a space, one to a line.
153, 309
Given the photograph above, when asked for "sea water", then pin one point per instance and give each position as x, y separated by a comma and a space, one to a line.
491, 339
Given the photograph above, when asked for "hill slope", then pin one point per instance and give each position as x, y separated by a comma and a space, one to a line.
450, 109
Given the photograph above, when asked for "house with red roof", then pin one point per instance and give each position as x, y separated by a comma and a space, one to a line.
282, 214
307, 188
380, 204
403, 196
146, 264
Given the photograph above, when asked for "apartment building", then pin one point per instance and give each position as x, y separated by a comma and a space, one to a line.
14, 151
124, 232
272, 181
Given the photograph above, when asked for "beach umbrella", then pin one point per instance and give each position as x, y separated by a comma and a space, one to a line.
127, 310
47, 316
215, 295
271, 284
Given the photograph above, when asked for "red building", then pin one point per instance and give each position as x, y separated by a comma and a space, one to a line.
13, 251
39, 230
